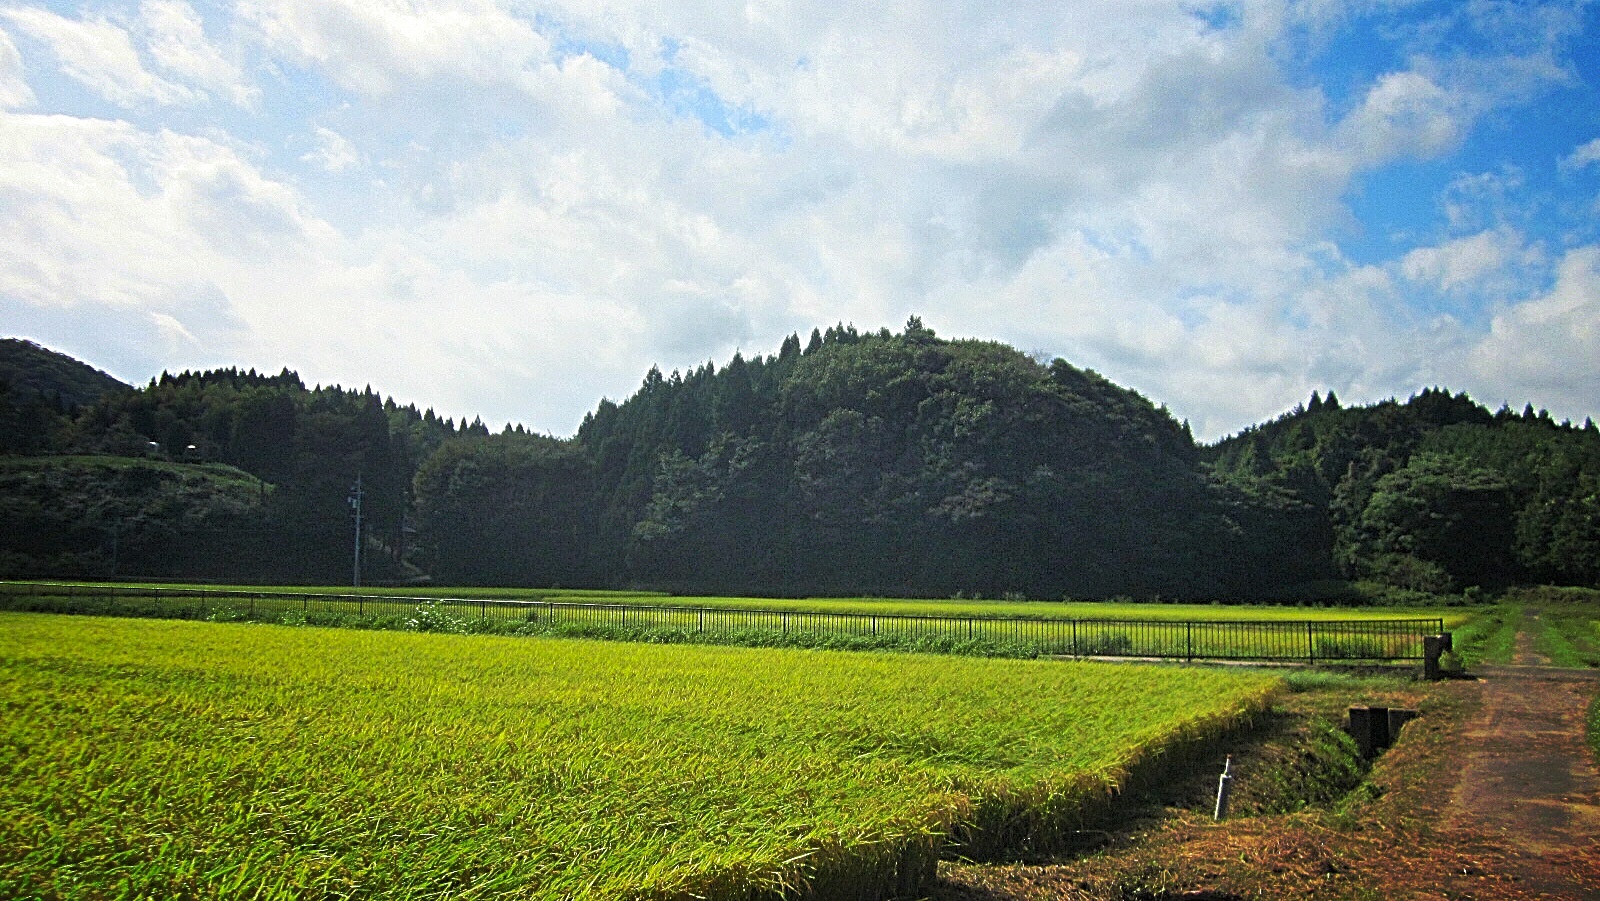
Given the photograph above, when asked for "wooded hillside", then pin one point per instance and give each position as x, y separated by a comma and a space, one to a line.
1435, 493
855, 463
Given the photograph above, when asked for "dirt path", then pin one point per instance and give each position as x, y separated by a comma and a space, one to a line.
1492, 795
1529, 779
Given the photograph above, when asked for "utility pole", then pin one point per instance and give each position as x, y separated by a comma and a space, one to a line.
356, 494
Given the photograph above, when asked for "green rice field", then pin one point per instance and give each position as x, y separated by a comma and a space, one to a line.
1127, 610
1166, 631
161, 758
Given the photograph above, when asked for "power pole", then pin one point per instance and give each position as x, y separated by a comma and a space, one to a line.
356, 495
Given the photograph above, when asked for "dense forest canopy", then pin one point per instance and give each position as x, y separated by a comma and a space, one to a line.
851, 463
1435, 493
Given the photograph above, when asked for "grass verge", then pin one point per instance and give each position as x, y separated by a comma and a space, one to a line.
1569, 624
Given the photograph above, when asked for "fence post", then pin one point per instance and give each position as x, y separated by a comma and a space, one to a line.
1188, 642
1311, 645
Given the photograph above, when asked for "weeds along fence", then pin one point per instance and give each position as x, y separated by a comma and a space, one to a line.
1310, 641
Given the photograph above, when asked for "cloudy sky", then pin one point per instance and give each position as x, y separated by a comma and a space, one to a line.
511, 209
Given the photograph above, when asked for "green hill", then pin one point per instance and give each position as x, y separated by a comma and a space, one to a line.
895, 464
107, 516
40, 392
27, 368
1435, 493
858, 463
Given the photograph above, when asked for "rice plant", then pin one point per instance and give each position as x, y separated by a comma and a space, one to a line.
157, 758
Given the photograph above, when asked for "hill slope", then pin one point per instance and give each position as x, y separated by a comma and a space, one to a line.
865, 463
1436, 493
28, 368
110, 516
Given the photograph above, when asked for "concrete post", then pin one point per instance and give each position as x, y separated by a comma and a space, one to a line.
1369, 726
1399, 717
1433, 647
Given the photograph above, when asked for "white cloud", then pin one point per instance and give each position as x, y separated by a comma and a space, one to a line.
99, 54
1404, 114
186, 242
1587, 155
1544, 348
104, 214
14, 90
1479, 200
334, 152
375, 48
177, 43
1464, 263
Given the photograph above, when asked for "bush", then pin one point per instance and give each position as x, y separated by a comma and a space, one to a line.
1106, 644
429, 617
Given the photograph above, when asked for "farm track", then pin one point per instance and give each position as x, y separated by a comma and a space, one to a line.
1529, 778
1492, 796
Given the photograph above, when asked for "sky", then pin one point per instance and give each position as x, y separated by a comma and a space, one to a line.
510, 210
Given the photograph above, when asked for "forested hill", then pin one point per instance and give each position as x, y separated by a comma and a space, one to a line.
25, 367
1435, 493
861, 463
40, 388
186, 441
852, 463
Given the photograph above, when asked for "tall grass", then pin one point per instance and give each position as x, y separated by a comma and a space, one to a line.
1593, 727
152, 758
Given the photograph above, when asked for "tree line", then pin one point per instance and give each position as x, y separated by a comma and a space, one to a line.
855, 462
1432, 494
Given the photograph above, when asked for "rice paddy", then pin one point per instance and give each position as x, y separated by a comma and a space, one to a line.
155, 758
975, 628
953, 607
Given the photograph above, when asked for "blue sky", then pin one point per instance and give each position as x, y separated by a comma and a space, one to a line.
512, 209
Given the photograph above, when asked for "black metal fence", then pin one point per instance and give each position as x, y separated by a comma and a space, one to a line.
1308, 640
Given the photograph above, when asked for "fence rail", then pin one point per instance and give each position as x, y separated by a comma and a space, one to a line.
1312, 641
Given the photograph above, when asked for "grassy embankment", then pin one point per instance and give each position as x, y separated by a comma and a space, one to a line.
161, 759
